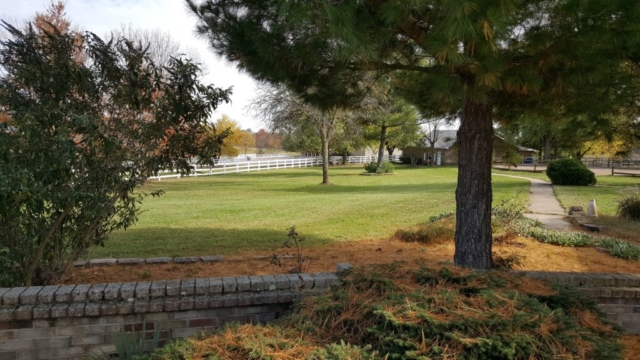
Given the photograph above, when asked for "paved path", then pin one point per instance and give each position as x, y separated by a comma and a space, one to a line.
543, 205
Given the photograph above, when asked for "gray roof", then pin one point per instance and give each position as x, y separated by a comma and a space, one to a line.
445, 139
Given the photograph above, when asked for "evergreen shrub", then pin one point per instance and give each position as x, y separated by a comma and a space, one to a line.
570, 172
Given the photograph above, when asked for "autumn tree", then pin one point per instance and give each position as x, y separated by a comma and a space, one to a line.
285, 111
83, 136
476, 58
267, 140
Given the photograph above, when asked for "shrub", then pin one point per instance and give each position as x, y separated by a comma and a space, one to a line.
629, 205
570, 172
397, 311
384, 168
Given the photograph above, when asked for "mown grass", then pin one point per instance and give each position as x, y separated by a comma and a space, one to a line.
607, 192
529, 174
242, 212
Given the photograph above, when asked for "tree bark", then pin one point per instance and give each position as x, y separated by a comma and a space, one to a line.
383, 138
547, 146
473, 195
325, 160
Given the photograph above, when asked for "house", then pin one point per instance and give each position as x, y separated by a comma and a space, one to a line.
440, 148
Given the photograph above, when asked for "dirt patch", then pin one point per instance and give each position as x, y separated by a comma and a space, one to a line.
532, 255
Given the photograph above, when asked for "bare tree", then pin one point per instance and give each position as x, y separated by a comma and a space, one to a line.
161, 46
433, 132
283, 110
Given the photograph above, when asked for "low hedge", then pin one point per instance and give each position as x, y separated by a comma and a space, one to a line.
570, 172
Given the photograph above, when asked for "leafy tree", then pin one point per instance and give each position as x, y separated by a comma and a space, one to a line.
287, 112
80, 137
477, 58
234, 136
268, 140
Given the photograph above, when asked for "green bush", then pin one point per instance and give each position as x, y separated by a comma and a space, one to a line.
629, 205
384, 168
570, 172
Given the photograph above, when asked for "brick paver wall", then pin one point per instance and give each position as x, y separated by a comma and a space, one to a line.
72, 321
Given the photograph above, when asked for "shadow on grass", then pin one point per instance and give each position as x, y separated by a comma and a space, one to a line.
391, 188
164, 241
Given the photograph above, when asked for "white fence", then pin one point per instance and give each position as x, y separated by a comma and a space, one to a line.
231, 167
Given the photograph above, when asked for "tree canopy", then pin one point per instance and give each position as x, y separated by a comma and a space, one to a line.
483, 60
79, 135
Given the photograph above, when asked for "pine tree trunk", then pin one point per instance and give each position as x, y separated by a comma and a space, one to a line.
383, 138
325, 160
547, 146
473, 195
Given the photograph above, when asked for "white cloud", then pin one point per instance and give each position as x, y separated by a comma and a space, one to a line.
101, 16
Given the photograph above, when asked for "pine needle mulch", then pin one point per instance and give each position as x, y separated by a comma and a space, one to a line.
407, 310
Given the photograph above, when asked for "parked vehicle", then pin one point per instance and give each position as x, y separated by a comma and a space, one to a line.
528, 160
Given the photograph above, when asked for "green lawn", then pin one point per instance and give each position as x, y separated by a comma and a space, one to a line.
529, 174
239, 212
607, 192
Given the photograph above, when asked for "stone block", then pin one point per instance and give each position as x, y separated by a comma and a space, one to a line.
26, 344
295, 281
39, 333
125, 307
229, 300
2, 292
185, 260
127, 291
243, 283
172, 304
344, 267
70, 351
256, 283
24, 312
141, 306
210, 259
269, 283
63, 294
215, 286
143, 290
188, 287
629, 292
229, 284
92, 309
319, 281
79, 293
81, 264
46, 295
30, 295
96, 292
216, 302
102, 262
202, 286
42, 311
76, 309
201, 302
187, 303
285, 296
244, 299
12, 297
130, 261
282, 282
59, 310
173, 288
108, 308
156, 305
332, 279
158, 289
158, 260
112, 291
308, 282
88, 340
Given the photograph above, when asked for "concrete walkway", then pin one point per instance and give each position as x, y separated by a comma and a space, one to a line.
543, 205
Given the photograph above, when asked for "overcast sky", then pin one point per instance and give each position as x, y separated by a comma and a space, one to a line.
102, 16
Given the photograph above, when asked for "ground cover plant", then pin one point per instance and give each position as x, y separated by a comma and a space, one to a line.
251, 211
411, 311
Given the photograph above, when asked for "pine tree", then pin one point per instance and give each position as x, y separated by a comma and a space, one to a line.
473, 58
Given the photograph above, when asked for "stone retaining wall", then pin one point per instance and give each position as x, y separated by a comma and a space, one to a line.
72, 321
